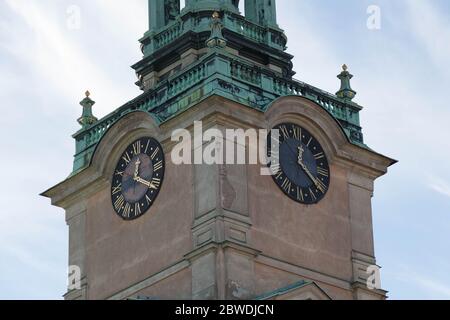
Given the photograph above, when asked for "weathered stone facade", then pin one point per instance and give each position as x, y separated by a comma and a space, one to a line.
221, 231
225, 231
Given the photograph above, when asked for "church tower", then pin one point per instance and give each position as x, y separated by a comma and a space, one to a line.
144, 225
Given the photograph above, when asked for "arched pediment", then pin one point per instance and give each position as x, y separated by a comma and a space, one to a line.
119, 136
311, 117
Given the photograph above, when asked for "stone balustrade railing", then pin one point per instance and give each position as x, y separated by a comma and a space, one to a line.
231, 21
240, 76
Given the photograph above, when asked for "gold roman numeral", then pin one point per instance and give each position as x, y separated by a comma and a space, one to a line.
158, 166
323, 172
275, 154
117, 189
319, 156
300, 195
276, 168
279, 174
126, 158
137, 209
275, 139
127, 210
155, 153
137, 148
287, 185
146, 148
156, 182
309, 142
119, 173
297, 133
321, 186
313, 196
149, 201
285, 132
120, 201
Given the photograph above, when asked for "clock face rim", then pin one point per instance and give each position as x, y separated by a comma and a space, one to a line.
161, 174
325, 161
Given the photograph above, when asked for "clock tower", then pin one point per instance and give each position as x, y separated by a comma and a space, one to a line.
142, 225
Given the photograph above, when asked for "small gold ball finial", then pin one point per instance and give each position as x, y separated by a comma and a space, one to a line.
87, 93
216, 15
344, 67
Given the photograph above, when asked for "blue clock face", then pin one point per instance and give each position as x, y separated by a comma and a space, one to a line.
138, 178
302, 171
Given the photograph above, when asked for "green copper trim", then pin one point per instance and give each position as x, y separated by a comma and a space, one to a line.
283, 291
162, 12
346, 92
224, 74
87, 118
262, 12
215, 5
245, 62
198, 22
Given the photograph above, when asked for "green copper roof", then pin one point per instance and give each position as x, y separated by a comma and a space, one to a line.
219, 71
217, 5
282, 291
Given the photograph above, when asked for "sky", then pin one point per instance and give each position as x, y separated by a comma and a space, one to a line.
51, 52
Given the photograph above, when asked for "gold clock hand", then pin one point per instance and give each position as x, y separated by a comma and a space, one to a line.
301, 151
146, 183
307, 171
316, 182
136, 170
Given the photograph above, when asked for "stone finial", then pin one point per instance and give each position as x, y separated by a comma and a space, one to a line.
346, 92
216, 39
87, 118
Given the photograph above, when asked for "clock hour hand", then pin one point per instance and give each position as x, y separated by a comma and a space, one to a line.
301, 151
146, 183
139, 179
136, 170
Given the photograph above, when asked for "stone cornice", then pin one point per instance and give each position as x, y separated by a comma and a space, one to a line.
220, 110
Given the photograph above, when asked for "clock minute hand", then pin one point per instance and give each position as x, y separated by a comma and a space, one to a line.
301, 151
146, 183
307, 171
310, 175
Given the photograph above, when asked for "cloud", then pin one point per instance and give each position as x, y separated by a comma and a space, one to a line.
432, 29
314, 58
440, 186
48, 67
435, 289
58, 60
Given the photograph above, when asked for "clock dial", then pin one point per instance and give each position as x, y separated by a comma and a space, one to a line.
302, 171
138, 178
